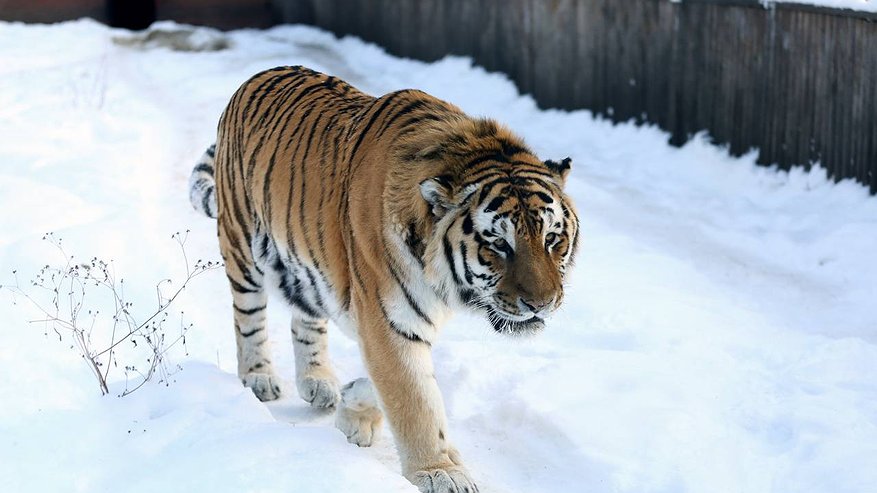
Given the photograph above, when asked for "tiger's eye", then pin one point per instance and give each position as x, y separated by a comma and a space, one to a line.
501, 244
550, 239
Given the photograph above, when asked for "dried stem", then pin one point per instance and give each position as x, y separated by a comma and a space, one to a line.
62, 292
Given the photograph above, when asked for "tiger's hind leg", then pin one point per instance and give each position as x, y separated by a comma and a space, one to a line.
314, 377
249, 303
254, 356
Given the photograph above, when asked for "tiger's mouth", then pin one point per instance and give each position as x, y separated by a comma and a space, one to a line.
506, 325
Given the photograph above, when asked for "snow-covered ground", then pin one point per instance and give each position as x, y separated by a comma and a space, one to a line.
860, 5
719, 335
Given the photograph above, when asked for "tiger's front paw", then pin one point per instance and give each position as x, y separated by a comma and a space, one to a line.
446, 479
266, 386
359, 416
319, 392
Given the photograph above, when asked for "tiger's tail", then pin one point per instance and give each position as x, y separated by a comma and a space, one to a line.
202, 185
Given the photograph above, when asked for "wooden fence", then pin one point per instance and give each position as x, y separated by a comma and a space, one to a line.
797, 83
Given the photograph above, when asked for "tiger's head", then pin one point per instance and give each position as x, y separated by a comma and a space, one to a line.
505, 233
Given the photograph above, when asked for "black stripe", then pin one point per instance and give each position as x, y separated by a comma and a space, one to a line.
318, 328
445, 180
449, 256
290, 235
299, 302
527, 177
331, 82
204, 168
321, 236
510, 149
466, 295
203, 182
266, 88
248, 311
486, 181
520, 177
355, 267
407, 335
467, 224
542, 195
250, 333
265, 243
288, 108
412, 123
575, 240
301, 206
467, 272
249, 277
292, 293
391, 111
495, 204
404, 111
236, 205
525, 167
273, 115
415, 244
371, 122
336, 150
240, 288
243, 266
408, 297
278, 265
494, 156
318, 298
205, 201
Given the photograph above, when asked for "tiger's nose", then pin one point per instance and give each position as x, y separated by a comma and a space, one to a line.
535, 306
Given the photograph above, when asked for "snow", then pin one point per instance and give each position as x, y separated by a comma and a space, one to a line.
859, 5
718, 335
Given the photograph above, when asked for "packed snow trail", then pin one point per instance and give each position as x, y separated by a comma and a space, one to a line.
718, 334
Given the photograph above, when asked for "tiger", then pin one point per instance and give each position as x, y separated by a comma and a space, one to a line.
384, 215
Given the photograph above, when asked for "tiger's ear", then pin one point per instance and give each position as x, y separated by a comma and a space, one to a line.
559, 170
440, 194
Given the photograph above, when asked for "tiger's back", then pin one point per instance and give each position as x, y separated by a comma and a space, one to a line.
289, 146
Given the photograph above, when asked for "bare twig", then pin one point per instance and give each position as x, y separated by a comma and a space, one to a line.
60, 293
